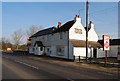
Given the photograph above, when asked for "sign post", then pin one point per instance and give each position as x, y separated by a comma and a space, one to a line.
106, 46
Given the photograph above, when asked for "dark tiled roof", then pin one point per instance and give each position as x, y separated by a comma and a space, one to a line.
112, 42
43, 32
66, 26
115, 42
51, 30
39, 43
82, 43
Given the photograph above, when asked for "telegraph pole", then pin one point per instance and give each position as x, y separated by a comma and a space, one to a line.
86, 29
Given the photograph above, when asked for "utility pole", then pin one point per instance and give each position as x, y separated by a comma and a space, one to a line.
86, 29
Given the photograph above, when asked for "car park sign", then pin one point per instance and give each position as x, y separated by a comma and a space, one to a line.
106, 43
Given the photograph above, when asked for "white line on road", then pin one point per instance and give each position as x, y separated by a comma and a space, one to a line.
26, 64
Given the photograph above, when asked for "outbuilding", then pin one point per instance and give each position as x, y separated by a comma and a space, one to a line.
114, 49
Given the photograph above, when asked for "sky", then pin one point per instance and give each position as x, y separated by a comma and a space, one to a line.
22, 15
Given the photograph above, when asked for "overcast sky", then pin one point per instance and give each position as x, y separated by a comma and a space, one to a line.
22, 15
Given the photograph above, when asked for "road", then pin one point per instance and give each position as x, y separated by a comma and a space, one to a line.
22, 67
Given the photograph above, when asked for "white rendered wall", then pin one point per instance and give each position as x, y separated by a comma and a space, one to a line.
54, 52
81, 51
77, 36
92, 35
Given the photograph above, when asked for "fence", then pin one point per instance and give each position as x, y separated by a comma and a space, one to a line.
101, 61
20, 52
79, 58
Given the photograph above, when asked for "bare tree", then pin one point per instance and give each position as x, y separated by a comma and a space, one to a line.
33, 29
17, 38
4, 43
5, 40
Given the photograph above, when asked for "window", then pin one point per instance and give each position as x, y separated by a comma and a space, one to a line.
61, 35
43, 38
60, 51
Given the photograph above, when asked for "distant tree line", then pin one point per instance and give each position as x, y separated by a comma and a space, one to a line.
16, 42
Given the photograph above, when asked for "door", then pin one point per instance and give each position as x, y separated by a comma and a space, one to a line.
94, 53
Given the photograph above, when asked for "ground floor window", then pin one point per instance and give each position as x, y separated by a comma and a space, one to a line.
60, 51
48, 51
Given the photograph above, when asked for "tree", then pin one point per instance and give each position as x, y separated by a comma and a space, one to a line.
4, 43
33, 29
23, 47
17, 38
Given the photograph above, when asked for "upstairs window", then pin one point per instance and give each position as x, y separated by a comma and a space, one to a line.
61, 35
60, 51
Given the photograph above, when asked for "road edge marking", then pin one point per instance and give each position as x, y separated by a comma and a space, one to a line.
26, 64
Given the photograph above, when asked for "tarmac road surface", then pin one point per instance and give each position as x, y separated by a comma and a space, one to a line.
22, 67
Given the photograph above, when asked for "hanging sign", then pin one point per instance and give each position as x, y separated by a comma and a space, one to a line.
106, 43
28, 42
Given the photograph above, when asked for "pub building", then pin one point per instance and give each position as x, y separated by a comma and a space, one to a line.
65, 40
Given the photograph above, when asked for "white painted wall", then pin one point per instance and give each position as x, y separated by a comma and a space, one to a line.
81, 51
54, 52
51, 40
92, 35
77, 36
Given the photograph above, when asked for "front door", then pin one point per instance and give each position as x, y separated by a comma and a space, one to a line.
94, 53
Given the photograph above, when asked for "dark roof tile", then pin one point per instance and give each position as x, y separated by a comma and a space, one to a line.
39, 43
51, 30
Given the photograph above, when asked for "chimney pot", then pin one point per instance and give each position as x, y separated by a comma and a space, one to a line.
59, 24
78, 16
90, 22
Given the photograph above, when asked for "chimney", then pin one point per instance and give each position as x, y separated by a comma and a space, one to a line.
54, 27
59, 24
91, 24
77, 18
